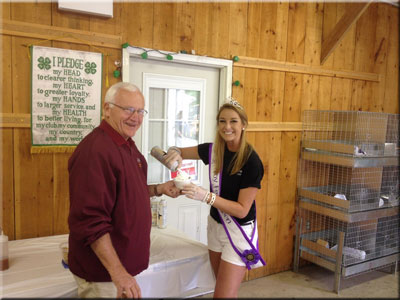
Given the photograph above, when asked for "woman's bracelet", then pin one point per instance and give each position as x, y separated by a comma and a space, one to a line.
206, 197
213, 197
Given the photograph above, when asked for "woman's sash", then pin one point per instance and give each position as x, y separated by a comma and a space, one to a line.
250, 255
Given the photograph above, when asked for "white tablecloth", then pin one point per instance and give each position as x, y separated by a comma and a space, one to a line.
179, 267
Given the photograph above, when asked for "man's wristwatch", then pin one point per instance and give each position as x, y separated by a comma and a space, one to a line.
156, 191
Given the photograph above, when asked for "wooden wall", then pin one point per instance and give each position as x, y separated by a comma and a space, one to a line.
35, 187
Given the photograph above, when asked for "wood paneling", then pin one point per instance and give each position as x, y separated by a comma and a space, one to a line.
272, 220
287, 193
261, 202
264, 97
310, 88
33, 189
250, 91
7, 182
293, 100
66, 19
353, 12
33, 182
293, 97
313, 36
343, 56
253, 29
183, 28
365, 36
361, 73
391, 100
45, 32
324, 93
6, 82
341, 94
10, 120
138, 24
203, 28
237, 29
5, 9
281, 31
329, 20
268, 64
6, 138
296, 32
39, 13
218, 30
112, 26
60, 205
238, 75
163, 26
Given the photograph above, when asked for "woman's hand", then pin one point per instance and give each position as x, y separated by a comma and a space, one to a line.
173, 155
194, 192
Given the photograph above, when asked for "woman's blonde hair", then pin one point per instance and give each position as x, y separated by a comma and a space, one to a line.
245, 149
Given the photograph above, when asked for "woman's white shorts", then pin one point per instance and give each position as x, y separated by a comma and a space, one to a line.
218, 241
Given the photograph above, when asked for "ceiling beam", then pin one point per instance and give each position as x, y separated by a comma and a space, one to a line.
353, 13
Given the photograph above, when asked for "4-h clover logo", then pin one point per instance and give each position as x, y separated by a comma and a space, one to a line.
90, 68
44, 63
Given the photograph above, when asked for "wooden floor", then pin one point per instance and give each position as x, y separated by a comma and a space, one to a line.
315, 282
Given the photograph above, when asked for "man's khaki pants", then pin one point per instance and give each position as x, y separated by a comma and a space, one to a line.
88, 289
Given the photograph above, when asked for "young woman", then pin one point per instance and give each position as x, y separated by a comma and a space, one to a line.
235, 175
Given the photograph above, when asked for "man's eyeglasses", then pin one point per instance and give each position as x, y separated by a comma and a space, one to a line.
131, 110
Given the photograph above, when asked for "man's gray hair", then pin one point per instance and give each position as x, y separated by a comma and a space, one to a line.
112, 91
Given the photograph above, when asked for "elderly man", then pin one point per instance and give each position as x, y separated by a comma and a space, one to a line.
110, 216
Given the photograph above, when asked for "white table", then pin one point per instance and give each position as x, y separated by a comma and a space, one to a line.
179, 267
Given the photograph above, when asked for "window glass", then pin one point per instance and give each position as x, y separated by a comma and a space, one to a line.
156, 106
174, 116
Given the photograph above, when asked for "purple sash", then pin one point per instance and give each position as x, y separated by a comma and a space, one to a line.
249, 255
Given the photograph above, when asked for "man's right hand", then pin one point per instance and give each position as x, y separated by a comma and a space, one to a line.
126, 284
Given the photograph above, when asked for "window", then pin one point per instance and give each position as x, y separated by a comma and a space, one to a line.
176, 110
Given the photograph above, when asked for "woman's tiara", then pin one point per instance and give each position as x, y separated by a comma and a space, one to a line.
233, 102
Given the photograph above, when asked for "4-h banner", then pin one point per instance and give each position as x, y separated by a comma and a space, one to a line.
66, 97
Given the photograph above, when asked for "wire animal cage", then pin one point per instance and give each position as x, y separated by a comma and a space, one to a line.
348, 191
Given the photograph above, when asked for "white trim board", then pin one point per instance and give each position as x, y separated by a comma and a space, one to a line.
224, 65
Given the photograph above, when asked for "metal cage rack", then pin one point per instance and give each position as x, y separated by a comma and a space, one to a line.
348, 192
